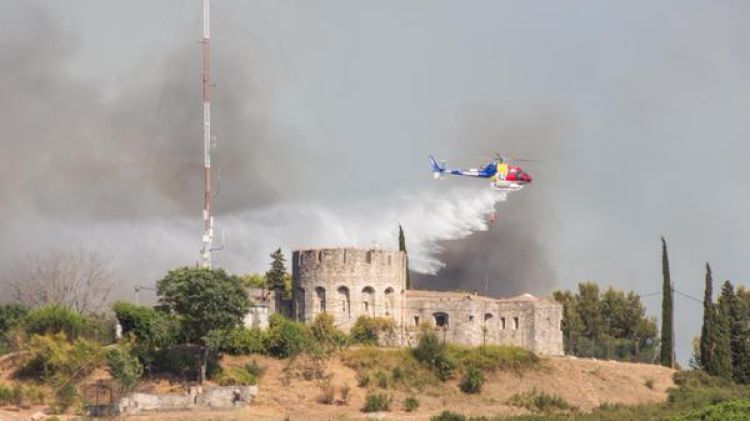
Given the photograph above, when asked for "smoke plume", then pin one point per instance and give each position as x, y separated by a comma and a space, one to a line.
118, 173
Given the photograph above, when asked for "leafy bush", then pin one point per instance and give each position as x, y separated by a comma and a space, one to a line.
452, 416
411, 404
376, 402
539, 402
237, 341
363, 379
234, 376
725, 411
150, 327
431, 352
124, 366
325, 333
370, 330
649, 383
286, 338
382, 379
54, 359
6, 395
11, 315
65, 397
472, 381
52, 319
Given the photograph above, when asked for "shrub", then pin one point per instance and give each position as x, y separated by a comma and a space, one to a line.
53, 358
124, 366
725, 411
452, 416
328, 393
150, 327
6, 395
539, 401
382, 379
397, 373
255, 369
472, 381
431, 352
234, 376
344, 391
325, 333
65, 397
370, 330
411, 404
286, 338
376, 402
649, 383
237, 341
11, 315
363, 379
53, 319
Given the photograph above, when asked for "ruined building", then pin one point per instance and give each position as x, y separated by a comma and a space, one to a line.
349, 282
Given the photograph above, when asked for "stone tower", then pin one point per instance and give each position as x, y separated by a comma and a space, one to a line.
348, 283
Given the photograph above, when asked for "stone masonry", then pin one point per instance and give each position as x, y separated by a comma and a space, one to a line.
350, 282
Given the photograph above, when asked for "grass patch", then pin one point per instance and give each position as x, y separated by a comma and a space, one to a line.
493, 357
540, 402
387, 368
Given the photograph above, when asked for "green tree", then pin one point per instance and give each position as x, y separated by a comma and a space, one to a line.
666, 356
708, 330
726, 324
572, 325
589, 308
609, 325
741, 357
203, 300
402, 247
254, 280
275, 275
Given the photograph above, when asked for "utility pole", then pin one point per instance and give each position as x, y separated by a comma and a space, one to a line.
208, 220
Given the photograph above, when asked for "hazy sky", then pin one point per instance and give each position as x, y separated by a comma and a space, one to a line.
325, 112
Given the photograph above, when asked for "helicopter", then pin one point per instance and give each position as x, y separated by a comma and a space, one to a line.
504, 176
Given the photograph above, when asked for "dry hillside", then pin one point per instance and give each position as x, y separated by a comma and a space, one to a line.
582, 382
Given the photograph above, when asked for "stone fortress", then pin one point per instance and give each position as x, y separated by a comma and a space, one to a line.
351, 282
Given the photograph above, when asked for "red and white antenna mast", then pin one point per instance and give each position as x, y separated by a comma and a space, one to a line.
208, 219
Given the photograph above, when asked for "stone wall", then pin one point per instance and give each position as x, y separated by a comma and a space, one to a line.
525, 321
211, 397
347, 283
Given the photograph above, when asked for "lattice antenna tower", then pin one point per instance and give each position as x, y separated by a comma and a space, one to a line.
208, 219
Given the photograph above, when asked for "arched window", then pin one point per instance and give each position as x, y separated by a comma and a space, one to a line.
487, 316
502, 323
344, 302
441, 319
320, 296
390, 301
368, 301
515, 323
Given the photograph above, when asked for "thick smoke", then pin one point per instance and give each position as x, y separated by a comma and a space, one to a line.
119, 174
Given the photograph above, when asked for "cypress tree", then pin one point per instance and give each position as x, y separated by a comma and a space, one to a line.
729, 309
402, 247
666, 356
275, 275
723, 352
708, 331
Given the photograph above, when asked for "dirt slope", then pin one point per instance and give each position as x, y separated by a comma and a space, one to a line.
582, 382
